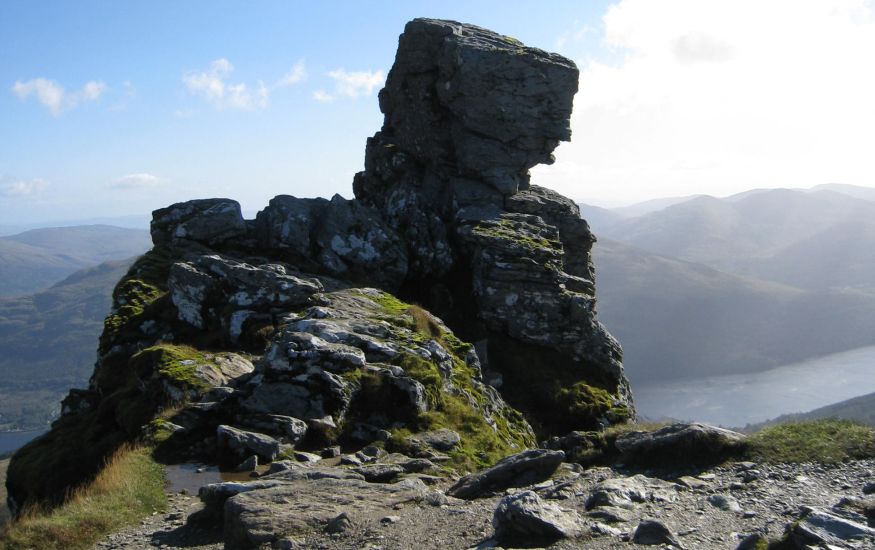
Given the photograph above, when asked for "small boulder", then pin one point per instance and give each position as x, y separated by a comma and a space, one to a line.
525, 516
243, 443
652, 532
380, 473
248, 465
693, 443
440, 440
517, 470
725, 502
819, 527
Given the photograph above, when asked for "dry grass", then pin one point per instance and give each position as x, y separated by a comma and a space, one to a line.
4, 512
424, 322
130, 486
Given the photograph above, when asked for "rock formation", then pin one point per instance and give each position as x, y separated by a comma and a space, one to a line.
245, 341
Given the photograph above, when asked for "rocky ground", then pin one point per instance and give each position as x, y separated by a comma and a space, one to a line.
600, 507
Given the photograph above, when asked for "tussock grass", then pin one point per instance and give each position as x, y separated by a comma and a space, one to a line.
130, 487
827, 441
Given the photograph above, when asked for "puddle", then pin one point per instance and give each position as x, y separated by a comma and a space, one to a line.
190, 477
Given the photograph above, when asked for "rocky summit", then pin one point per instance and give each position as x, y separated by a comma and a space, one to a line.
442, 320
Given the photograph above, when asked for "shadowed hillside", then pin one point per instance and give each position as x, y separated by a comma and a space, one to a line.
39, 258
49, 343
679, 319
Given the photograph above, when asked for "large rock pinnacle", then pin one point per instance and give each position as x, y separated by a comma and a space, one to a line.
444, 217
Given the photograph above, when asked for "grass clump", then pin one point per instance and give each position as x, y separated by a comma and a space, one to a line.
130, 487
828, 441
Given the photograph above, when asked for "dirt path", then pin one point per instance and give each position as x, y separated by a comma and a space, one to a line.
767, 499
177, 528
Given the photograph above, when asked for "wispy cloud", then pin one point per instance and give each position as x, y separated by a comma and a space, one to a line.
54, 97
351, 84
128, 93
213, 85
296, 75
21, 188
137, 181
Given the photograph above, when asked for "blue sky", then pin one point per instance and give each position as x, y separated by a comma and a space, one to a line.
117, 108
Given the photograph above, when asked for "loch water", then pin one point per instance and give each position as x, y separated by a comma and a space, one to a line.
740, 399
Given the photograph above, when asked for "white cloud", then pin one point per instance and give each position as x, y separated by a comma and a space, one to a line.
719, 96
22, 188
137, 181
297, 74
213, 86
54, 97
351, 84
323, 96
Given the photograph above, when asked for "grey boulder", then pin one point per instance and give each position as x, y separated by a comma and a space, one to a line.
525, 516
207, 221
517, 470
244, 444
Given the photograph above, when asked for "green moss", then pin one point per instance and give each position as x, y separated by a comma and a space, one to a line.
556, 393
175, 363
390, 304
131, 297
505, 230
826, 441
143, 285
158, 431
581, 402
481, 444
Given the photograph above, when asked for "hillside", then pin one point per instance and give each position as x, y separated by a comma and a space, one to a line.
39, 258
860, 409
49, 343
702, 322
784, 235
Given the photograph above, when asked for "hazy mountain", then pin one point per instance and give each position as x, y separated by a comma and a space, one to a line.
48, 343
789, 236
864, 193
134, 221
652, 205
680, 319
36, 259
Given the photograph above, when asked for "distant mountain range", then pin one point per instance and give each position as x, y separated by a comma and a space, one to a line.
709, 286
48, 343
39, 258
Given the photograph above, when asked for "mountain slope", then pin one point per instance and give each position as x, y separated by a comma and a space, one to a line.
860, 409
679, 319
36, 259
821, 239
49, 341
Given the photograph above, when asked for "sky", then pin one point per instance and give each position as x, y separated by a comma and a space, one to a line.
118, 108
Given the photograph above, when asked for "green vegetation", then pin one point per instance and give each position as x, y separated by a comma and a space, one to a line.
128, 488
826, 441
459, 407
175, 363
505, 230
49, 343
557, 394
582, 402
